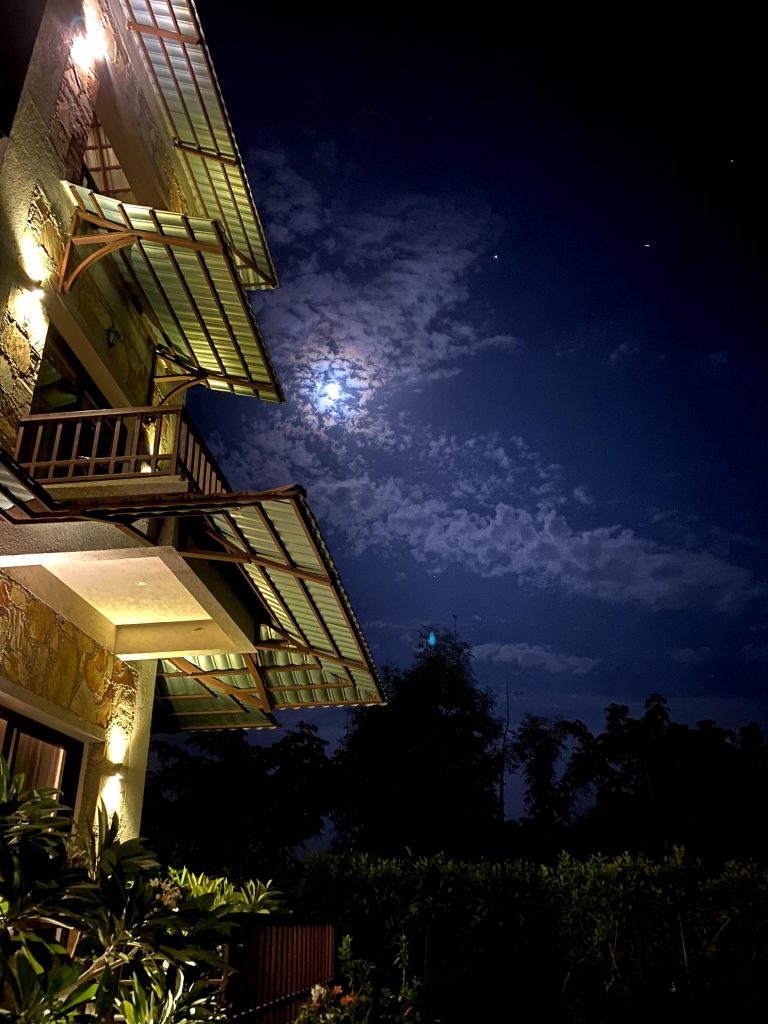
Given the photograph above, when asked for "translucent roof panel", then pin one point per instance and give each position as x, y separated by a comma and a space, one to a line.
314, 652
217, 691
310, 652
179, 64
183, 268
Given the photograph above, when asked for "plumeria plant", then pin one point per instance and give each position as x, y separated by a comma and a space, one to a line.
91, 927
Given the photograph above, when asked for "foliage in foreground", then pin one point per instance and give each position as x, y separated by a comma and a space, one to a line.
138, 945
604, 939
365, 1001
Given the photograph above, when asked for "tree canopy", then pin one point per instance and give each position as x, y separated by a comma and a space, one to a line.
425, 773
422, 772
642, 784
216, 803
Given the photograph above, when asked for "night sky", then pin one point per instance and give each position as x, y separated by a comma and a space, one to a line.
521, 329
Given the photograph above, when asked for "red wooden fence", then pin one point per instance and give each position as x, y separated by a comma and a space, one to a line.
277, 963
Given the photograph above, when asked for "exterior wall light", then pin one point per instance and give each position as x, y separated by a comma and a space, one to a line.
90, 45
113, 337
33, 259
112, 793
112, 786
116, 744
28, 310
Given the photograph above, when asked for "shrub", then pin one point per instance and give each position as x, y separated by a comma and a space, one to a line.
90, 926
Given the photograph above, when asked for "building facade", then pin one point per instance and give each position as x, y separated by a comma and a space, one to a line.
133, 580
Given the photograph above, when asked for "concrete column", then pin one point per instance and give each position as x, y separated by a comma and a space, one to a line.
115, 770
136, 766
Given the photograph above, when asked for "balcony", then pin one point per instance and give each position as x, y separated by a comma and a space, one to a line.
151, 449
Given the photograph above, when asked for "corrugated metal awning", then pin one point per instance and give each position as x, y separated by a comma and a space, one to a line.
21, 498
183, 269
180, 66
217, 691
313, 652
310, 653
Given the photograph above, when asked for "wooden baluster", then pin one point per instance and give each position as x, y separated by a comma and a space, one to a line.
54, 452
112, 466
73, 454
132, 453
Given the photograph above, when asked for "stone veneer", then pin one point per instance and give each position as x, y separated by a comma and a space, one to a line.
44, 653
22, 336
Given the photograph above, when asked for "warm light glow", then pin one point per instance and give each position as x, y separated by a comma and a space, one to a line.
112, 793
33, 259
116, 744
28, 311
91, 45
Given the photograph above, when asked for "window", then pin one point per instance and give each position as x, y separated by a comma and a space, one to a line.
63, 385
46, 757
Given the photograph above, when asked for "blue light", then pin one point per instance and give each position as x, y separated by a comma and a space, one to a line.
432, 638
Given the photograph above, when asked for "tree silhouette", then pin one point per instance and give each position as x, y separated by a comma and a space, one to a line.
218, 804
642, 784
421, 773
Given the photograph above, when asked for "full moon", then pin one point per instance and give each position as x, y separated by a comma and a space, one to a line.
332, 390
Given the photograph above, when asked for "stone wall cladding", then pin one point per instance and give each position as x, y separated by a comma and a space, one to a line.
20, 349
72, 119
46, 654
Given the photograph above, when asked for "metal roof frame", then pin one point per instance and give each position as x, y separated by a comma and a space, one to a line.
222, 691
312, 653
22, 499
179, 64
183, 268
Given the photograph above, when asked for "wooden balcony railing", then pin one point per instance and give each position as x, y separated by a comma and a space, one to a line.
99, 445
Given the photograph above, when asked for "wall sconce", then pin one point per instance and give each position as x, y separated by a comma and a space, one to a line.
116, 745
90, 45
112, 792
32, 260
113, 337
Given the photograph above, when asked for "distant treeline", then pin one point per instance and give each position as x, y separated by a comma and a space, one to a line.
427, 772
642, 784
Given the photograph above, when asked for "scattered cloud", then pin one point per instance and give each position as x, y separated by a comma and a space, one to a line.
534, 656
582, 495
381, 302
623, 351
379, 298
